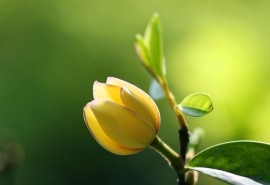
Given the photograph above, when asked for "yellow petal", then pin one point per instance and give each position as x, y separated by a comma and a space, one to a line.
134, 103
139, 93
107, 92
122, 125
102, 138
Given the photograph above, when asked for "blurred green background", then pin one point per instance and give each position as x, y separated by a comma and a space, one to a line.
52, 51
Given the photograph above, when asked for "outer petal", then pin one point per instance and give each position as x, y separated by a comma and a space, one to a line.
101, 137
107, 92
141, 94
134, 103
122, 125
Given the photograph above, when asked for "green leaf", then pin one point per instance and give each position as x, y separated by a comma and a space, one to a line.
155, 91
142, 51
150, 48
237, 162
196, 105
153, 43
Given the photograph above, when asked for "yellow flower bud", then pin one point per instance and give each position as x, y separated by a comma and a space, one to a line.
122, 118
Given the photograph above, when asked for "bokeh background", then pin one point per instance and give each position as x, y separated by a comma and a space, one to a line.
52, 51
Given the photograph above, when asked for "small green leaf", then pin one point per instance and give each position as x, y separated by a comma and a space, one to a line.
153, 43
237, 162
142, 51
155, 91
196, 105
150, 48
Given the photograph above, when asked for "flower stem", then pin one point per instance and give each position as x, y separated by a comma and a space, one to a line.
183, 131
171, 100
169, 154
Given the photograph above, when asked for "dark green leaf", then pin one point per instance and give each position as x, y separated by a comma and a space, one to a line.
196, 105
237, 162
155, 91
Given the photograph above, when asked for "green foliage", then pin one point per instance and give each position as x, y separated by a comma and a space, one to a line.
196, 138
52, 51
150, 48
237, 162
155, 91
196, 105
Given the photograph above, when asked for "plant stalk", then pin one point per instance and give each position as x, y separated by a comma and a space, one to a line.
183, 131
173, 158
172, 102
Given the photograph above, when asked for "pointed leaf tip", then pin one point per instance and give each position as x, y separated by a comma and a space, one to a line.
156, 14
149, 48
137, 36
